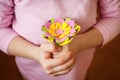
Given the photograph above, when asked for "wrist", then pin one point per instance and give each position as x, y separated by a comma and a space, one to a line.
93, 38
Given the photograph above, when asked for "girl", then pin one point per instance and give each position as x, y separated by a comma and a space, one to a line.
21, 35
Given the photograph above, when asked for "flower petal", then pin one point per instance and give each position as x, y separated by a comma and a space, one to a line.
47, 25
59, 31
65, 42
71, 23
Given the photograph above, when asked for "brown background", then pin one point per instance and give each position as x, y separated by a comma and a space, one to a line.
105, 65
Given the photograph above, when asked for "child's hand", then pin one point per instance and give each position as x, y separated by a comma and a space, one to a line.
53, 65
43, 55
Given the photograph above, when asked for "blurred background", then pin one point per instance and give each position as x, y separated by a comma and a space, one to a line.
105, 65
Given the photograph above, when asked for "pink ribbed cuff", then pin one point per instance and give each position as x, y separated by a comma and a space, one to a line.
5, 40
109, 28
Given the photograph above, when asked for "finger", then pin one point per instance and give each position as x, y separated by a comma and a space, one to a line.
51, 63
62, 72
64, 50
58, 50
45, 56
63, 67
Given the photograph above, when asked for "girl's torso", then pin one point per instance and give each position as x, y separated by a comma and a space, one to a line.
30, 15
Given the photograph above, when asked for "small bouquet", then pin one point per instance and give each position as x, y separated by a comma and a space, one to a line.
60, 31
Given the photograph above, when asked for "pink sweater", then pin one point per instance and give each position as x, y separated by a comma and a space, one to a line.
27, 17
